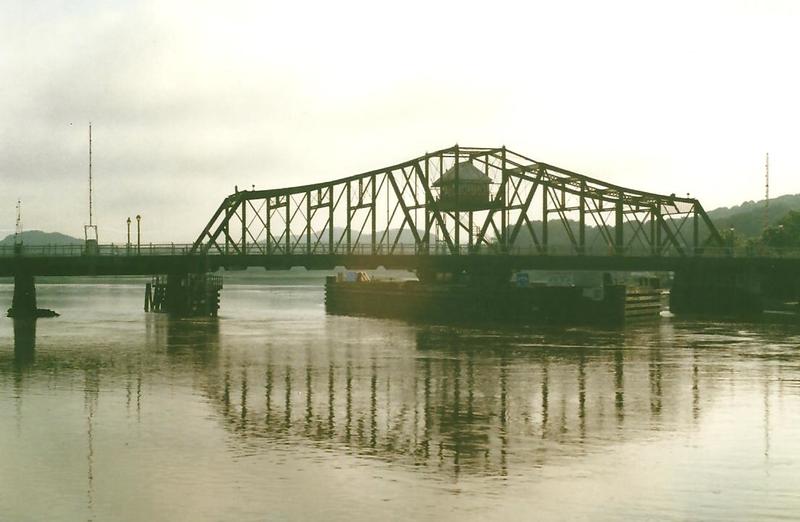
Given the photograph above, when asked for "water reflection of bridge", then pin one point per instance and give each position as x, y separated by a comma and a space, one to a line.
455, 401
474, 404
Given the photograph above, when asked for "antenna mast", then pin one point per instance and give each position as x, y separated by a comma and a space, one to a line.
90, 230
766, 193
90, 174
18, 228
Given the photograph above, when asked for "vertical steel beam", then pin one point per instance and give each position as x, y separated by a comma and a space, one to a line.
244, 226
582, 220
226, 229
374, 212
267, 221
308, 223
619, 221
545, 194
330, 220
456, 213
470, 230
288, 224
428, 202
657, 236
695, 229
349, 213
504, 204
653, 227
442, 221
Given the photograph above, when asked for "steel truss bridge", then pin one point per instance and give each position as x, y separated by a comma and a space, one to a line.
423, 214
529, 208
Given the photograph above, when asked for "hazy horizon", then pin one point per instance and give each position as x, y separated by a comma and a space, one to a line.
188, 99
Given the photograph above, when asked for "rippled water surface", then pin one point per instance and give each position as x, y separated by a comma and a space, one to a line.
277, 411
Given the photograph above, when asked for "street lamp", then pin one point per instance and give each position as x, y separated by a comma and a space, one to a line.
731, 236
138, 233
129, 233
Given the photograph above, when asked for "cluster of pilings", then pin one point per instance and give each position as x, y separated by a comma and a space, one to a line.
184, 295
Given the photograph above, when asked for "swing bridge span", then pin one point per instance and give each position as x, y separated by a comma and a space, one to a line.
459, 208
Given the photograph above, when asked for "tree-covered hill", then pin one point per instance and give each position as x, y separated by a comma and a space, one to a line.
38, 237
747, 219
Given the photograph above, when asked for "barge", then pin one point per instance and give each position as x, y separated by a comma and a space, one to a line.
606, 305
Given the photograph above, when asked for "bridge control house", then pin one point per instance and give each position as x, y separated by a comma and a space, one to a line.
463, 187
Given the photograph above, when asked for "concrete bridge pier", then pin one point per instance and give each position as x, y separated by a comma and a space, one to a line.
717, 292
23, 304
184, 294
782, 289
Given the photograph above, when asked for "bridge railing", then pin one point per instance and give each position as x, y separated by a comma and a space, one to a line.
75, 250
401, 249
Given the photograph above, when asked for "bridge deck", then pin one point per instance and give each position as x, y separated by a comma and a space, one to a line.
52, 261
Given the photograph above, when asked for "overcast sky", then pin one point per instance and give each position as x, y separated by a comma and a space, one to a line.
188, 99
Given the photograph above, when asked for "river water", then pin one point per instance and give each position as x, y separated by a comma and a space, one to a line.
276, 411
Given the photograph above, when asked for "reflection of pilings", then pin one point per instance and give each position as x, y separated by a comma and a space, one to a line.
226, 393
470, 384
197, 337
288, 400
309, 398
91, 394
243, 401
545, 405
582, 394
766, 418
373, 408
456, 414
655, 381
349, 398
695, 387
268, 392
24, 342
503, 415
331, 394
619, 385
457, 407
426, 435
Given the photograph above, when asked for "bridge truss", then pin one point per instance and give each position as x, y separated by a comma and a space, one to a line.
529, 207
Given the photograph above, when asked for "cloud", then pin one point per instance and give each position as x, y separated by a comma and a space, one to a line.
189, 98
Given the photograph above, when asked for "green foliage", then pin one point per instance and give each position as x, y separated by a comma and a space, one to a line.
785, 234
747, 219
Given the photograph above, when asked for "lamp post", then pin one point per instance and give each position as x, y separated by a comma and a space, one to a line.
128, 244
138, 233
731, 239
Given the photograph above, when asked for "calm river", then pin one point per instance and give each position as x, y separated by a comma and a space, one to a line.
276, 411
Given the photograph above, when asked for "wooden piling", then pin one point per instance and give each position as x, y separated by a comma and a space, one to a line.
147, 298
